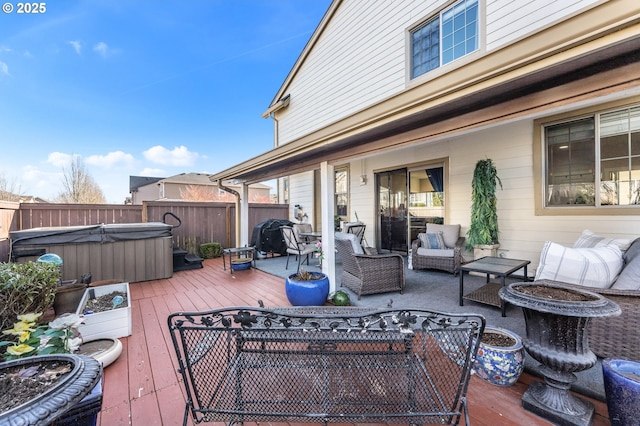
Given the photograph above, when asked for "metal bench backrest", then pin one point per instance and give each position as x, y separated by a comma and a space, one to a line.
324, 364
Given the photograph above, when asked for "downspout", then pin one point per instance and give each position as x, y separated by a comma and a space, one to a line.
237, 195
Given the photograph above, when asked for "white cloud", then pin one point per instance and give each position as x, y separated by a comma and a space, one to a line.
148, 171
41, 183
60, 159
4, 68
109, 160
179, 156
102, 49
5, 49
77, 46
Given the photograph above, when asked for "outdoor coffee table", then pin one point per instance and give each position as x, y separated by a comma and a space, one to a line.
498, 266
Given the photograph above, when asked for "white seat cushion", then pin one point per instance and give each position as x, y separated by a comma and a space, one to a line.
435, 252
592, 267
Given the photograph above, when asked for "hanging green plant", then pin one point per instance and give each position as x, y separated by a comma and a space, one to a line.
484, 214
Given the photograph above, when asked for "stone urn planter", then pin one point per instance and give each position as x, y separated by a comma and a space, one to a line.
622, 390
307, 288
556, 322
82, 375
500, 357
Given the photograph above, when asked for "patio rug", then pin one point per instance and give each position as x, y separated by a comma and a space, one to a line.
439, 291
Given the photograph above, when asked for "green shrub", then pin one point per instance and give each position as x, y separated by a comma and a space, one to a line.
26, 288
210, 250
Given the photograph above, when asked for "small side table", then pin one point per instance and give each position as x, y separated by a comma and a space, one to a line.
501, 267
249, 252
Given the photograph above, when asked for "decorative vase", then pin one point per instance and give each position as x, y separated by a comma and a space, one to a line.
497, 364
313, 292
61, 397
622, 390
556, 319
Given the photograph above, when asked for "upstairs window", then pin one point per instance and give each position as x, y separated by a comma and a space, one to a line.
449, 36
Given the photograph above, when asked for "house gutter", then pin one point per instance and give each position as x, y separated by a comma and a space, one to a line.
236, 194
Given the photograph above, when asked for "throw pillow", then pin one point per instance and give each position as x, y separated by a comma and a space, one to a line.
628, 279
355, 244
592, 267
589, 239
632, 252
434, 240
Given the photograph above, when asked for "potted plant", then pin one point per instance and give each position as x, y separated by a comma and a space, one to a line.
482, 236
55, 384
106, 310
306, 288
500, 357
26, 287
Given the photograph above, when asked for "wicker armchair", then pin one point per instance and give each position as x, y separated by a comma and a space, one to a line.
368, 274
448, 259
614, 337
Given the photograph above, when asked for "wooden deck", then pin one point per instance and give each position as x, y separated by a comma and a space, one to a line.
143, 388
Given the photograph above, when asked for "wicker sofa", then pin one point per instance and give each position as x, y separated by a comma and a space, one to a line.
449, 258
617, 337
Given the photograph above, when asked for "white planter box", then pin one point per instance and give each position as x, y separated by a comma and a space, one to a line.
109, 324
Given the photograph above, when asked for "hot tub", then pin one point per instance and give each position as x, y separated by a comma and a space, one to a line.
128, 252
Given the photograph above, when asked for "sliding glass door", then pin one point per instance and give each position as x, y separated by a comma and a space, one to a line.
392, 213
407, 200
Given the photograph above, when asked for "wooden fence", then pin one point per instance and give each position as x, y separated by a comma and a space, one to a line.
200, 222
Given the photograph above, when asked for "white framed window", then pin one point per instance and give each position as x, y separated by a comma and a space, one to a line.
450, 35
593, 161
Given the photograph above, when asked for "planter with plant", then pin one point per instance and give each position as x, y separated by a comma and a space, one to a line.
107, 312
26, 287
482, 236
306, 288
55, 383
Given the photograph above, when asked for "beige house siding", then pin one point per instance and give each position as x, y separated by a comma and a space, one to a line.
302, 190
511, 20
146, 192
362, 55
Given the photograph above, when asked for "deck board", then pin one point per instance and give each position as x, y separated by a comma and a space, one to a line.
144, 388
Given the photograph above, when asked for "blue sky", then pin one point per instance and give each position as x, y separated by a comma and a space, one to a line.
145, 87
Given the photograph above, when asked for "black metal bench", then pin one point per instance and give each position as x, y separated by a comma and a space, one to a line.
325, 364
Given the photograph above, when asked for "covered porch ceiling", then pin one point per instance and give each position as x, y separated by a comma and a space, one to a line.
592, 74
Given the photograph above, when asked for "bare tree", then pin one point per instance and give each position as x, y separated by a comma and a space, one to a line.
79, 186
9, 189
197, 193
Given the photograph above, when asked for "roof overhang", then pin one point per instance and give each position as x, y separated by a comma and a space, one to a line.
620, 63
281, 104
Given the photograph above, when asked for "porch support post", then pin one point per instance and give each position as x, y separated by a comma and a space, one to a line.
243, 217
327, 197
